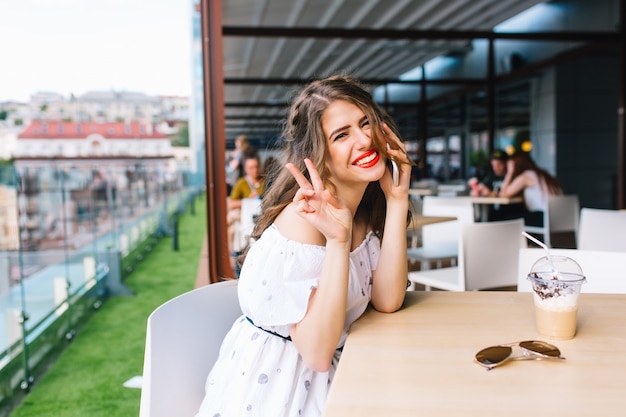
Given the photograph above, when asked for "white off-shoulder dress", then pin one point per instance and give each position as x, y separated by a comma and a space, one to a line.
259, 372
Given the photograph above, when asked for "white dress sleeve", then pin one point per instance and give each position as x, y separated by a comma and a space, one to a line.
277, 278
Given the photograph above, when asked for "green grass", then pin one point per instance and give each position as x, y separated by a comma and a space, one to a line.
87, 378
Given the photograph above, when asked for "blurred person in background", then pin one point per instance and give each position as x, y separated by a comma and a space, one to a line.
251, 184
234, 162
490, 187
491, 183
525, 178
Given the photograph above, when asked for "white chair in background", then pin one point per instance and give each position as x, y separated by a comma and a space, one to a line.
440, 241
250, 208
602, 230
242, 228
183, 339
488, 256
561, 215
605, 271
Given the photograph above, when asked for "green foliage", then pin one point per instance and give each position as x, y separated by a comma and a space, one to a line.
87, 378
182, 138
3, 114
478, 158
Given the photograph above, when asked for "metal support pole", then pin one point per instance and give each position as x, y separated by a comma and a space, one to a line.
491, 96
28, 378
621, 112
423, 126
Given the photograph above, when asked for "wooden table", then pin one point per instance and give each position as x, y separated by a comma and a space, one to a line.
485, 201
419, 361
419, 220
496, 200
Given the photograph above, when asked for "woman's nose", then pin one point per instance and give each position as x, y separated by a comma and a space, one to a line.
363, 139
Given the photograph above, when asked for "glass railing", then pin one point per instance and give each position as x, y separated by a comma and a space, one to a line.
69, 236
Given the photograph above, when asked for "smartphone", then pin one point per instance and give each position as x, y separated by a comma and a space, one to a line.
395, 174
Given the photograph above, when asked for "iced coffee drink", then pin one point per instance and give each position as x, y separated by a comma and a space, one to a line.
556, 287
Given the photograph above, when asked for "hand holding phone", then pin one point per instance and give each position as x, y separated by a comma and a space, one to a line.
395, 173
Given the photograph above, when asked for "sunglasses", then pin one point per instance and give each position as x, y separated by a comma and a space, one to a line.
530, 349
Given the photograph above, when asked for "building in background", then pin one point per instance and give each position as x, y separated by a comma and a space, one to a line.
73, 175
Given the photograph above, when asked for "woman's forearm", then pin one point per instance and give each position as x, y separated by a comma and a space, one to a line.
317, 334
391, 274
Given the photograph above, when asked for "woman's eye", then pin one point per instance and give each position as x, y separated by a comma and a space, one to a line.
365, 123
340, 136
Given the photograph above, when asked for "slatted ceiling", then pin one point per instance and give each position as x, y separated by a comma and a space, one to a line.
304, 58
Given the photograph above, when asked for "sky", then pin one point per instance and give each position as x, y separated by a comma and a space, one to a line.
76, 46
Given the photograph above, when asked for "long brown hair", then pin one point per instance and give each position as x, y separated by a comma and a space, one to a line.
303, 137
523, 162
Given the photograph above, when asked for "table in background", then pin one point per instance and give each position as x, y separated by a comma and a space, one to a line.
420, 192
417, 194
419, 361
419, 220
484, 202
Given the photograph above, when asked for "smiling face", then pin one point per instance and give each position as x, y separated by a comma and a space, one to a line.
352, 155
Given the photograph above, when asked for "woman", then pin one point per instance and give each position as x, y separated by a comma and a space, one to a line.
234, 162
250, 185
330, 239
524, 177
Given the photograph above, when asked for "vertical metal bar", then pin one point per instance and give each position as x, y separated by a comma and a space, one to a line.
621, 112
491, 96
71, 332
28, 378
215, 141
423, 166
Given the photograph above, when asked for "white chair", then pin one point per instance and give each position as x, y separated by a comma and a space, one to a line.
242, 228
440, 241
602, 230
488, 254
605, 271
561, 215
182, 343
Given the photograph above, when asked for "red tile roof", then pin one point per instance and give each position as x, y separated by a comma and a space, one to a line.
75, 130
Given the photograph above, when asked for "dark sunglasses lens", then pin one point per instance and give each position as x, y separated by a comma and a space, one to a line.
541, 348
493, 355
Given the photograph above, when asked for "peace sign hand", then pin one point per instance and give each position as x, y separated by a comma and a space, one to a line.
319, 206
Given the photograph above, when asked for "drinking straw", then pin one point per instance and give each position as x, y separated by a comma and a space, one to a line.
543, 245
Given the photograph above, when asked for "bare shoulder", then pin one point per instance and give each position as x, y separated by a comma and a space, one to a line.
530, 178
295, 228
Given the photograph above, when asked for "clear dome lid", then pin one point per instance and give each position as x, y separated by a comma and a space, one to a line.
564, 266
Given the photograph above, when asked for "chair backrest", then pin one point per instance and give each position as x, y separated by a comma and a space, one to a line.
250, 207
605, 271
602, 230
488, 254
561, 215
183, 339
563, 212
446, 232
